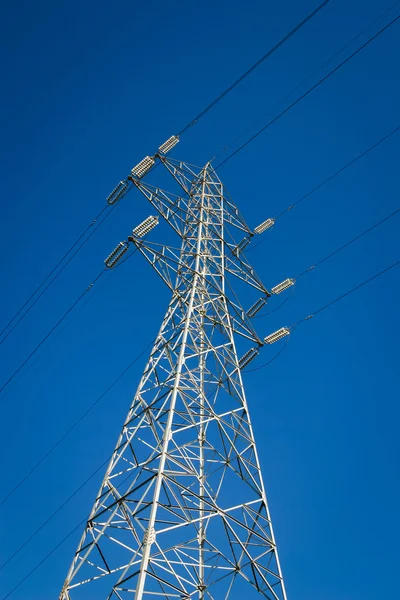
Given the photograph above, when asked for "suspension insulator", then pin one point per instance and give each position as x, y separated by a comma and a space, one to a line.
116, 254
118, 192
257, 306
248, 357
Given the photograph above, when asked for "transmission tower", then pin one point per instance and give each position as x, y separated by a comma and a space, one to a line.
182, 512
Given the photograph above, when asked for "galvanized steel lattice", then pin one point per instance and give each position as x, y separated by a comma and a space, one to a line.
182, 511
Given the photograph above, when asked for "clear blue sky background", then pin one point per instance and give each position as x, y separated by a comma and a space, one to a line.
89, 88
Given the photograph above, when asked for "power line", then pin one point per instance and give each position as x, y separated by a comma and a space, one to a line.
352, 241
266, 314
332, 254
55, 548
48, 334
56, 275
311, 89
52, 271
47, 521
59, 332
349, 164
339, 298
47, 454
304, 81
74, 425
324, 307
59, 321
330, 178
252, 68
39, 564
110, 272
269, 361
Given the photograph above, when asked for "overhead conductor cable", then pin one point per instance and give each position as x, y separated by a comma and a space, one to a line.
320, 68
254, 67
311, 89
51, 331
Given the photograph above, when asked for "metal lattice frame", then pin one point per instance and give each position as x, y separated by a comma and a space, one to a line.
182, 512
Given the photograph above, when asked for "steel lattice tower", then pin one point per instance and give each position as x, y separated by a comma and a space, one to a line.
182, 511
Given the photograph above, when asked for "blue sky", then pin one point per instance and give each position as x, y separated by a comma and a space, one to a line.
88, 90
